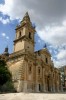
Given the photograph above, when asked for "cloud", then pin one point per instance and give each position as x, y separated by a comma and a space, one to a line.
61, 55
55, 35
40, 11
4, 21
5, 36
64, 23
61, 58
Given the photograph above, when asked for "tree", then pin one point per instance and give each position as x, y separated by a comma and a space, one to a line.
4, 73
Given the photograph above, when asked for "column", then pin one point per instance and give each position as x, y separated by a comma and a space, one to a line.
19, 87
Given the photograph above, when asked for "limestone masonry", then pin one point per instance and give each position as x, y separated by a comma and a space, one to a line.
31, 71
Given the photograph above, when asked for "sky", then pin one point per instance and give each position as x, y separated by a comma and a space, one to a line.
49, 17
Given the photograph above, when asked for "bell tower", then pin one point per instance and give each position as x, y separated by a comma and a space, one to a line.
24, 35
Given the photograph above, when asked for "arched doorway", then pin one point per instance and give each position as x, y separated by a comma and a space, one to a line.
48, 84
39, 87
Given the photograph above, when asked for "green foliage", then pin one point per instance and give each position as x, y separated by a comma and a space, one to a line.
6, 84
7, 87
4, 73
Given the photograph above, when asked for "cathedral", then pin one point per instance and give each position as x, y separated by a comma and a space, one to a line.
32, 71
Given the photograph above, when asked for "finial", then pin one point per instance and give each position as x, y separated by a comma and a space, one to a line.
45, 46
6, 51
26, 14
25, 19
34, 26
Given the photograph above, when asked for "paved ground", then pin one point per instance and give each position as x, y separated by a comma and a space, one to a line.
32, 96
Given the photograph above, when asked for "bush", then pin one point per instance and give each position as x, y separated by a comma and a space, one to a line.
6, 84
7, 87
4, 73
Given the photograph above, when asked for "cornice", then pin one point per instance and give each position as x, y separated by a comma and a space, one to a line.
24, 38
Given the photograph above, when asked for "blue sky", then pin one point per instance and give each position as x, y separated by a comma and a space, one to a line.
7, 34
49, 18
2, 1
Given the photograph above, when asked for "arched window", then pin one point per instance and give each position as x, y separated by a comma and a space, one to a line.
19, 34
38, 70
30, 69
39, 87
46, 60
29, 35
39, 53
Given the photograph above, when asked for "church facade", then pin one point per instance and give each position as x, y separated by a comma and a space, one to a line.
31, 71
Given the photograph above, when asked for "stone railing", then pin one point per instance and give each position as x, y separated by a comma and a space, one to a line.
24, 51
17, 53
